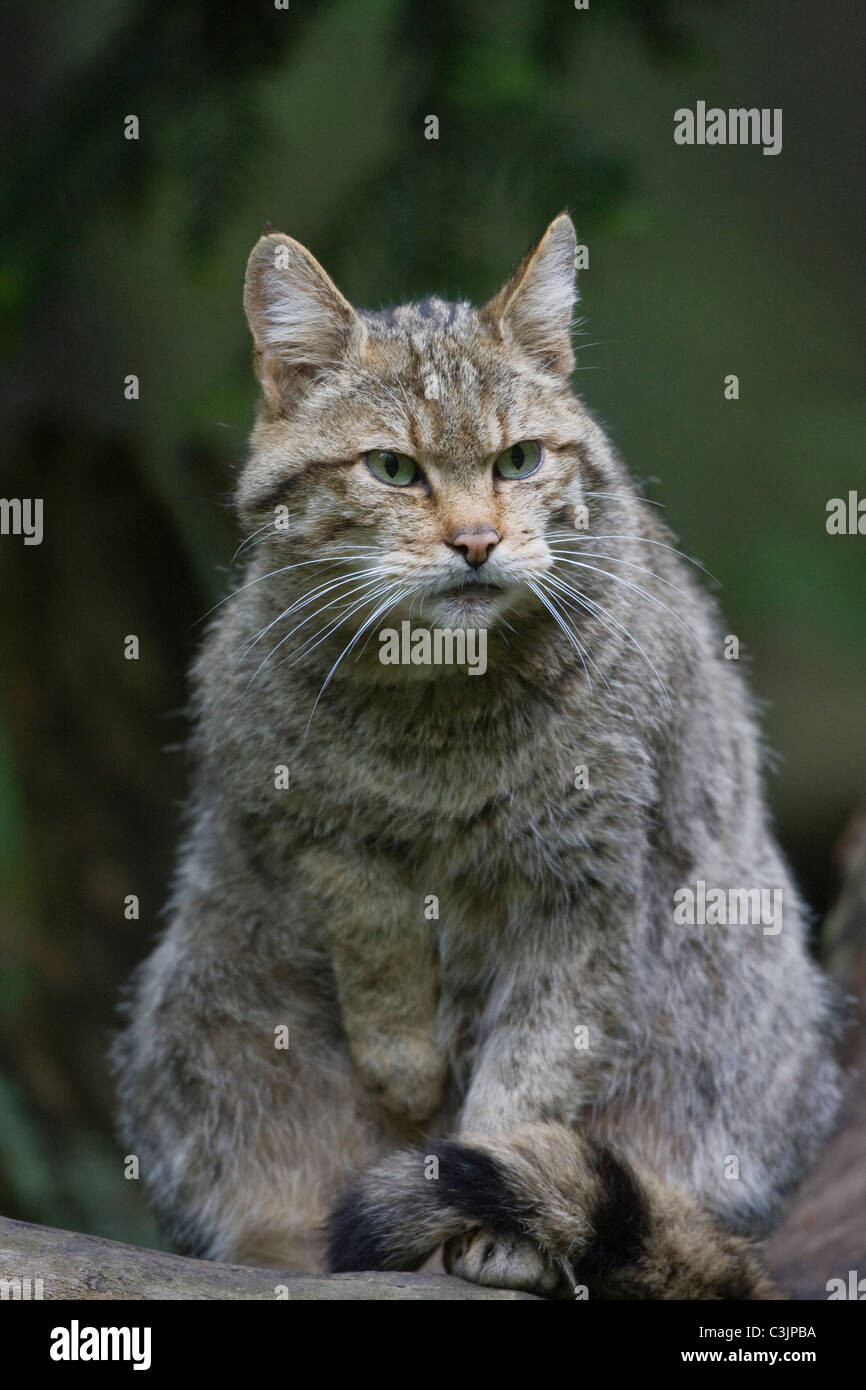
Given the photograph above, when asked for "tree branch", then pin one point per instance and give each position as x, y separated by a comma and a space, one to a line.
88, 1267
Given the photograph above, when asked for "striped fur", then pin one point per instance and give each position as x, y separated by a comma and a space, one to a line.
396, 870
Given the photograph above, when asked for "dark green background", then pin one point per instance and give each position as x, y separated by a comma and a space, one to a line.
127, 257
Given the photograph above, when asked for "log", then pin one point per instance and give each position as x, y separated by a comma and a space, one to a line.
73, 1266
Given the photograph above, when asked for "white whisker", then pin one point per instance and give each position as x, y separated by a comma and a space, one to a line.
618, 579
284, 569
365, 586
634, 496
317, 639
600, 613
590, 538
309, 597
618, 560
379, 612
570, 635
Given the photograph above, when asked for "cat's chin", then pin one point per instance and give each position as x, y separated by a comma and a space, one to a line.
470, 608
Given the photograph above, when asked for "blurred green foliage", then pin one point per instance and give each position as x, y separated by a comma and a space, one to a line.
124, 256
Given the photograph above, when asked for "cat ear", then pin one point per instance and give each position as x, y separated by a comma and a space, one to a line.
533, 310
301, 324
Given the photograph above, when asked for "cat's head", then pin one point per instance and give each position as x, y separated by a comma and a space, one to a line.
434, 448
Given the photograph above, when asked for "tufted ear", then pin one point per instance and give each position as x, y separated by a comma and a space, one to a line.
301, 324
533, 310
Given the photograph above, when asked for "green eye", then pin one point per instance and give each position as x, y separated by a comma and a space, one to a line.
388, 467
520, 460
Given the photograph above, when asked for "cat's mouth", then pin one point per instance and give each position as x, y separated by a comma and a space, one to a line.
472, 590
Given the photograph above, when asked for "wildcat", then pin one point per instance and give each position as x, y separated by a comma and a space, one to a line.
423, 983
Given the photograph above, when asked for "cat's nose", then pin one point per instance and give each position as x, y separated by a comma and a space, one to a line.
476, 545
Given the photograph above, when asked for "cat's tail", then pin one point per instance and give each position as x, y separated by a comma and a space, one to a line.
598, 1225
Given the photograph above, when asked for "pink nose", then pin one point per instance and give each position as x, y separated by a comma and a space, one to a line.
476, 545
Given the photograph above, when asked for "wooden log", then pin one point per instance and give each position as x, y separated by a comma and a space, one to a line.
76, 1266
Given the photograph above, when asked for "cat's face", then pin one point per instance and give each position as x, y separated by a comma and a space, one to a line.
432, 453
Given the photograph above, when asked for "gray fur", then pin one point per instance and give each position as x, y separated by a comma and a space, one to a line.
306, 906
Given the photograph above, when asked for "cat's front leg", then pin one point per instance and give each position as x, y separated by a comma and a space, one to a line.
385, 960
545, 1034
563, 1205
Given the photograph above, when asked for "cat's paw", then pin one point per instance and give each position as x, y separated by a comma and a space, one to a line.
502, 1262
406, 1074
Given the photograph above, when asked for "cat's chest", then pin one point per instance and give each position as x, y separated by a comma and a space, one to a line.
481, 820
469, 781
